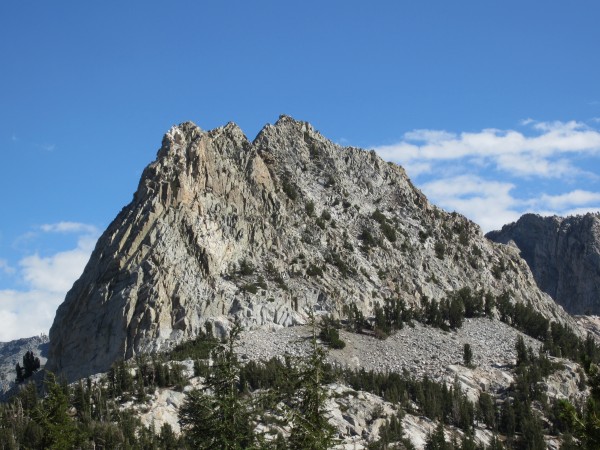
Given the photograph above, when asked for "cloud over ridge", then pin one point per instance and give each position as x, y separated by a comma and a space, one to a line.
43, 282
478, 173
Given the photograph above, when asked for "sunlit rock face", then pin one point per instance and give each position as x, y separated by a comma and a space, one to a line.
222, 228
563, 254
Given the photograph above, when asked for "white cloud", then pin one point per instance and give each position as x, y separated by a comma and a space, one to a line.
26, 313
581, 211
46, 280
569, 200
69, 227
429, 136
491, 203
56, 273
488, 203
5, 267
485, 174
542, 154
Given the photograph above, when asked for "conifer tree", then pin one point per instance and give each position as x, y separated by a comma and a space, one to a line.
522, 353
468, 443
507, 420
59, 430
221, 418
20, 373
30, 363
456, 313
311, 429
467, 355
532, 432
495, 444
436, 440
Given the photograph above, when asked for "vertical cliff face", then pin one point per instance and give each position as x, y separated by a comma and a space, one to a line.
221, 227
563, 254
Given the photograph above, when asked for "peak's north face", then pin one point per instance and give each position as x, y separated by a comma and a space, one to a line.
564, 256
222, 228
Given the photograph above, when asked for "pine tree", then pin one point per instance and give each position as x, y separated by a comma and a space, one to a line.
221, 419
390, 433
59, 430
532, 433
167, 438
30, 364
436, 440
591, 434
311, 429
467, 355
456, 313
522, 353
508, 420
82, 402
467, 443
495, 444
20, 373
489, 305
487, 410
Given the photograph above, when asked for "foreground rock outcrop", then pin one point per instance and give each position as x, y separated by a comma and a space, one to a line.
563, 254
221, 227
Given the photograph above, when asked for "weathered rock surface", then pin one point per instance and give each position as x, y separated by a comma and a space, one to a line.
563, 254
297, 209
357, 416
419, 350
12, 353
590, 325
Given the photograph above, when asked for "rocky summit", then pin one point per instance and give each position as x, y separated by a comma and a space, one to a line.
264, 231
563, 254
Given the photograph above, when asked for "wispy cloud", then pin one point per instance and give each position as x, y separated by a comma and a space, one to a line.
488, 203
492, 203
543, 153
46, 280
5, 267
69, 227
569, 200
483, 174
48, 147
55, 274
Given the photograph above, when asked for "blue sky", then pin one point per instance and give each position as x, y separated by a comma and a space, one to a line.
493, 108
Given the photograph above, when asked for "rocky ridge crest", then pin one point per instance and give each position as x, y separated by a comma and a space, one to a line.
221, 227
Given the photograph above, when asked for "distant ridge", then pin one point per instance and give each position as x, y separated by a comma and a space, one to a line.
12, 352
563, 254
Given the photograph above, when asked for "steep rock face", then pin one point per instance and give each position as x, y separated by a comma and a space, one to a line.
563, 254
221, 227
